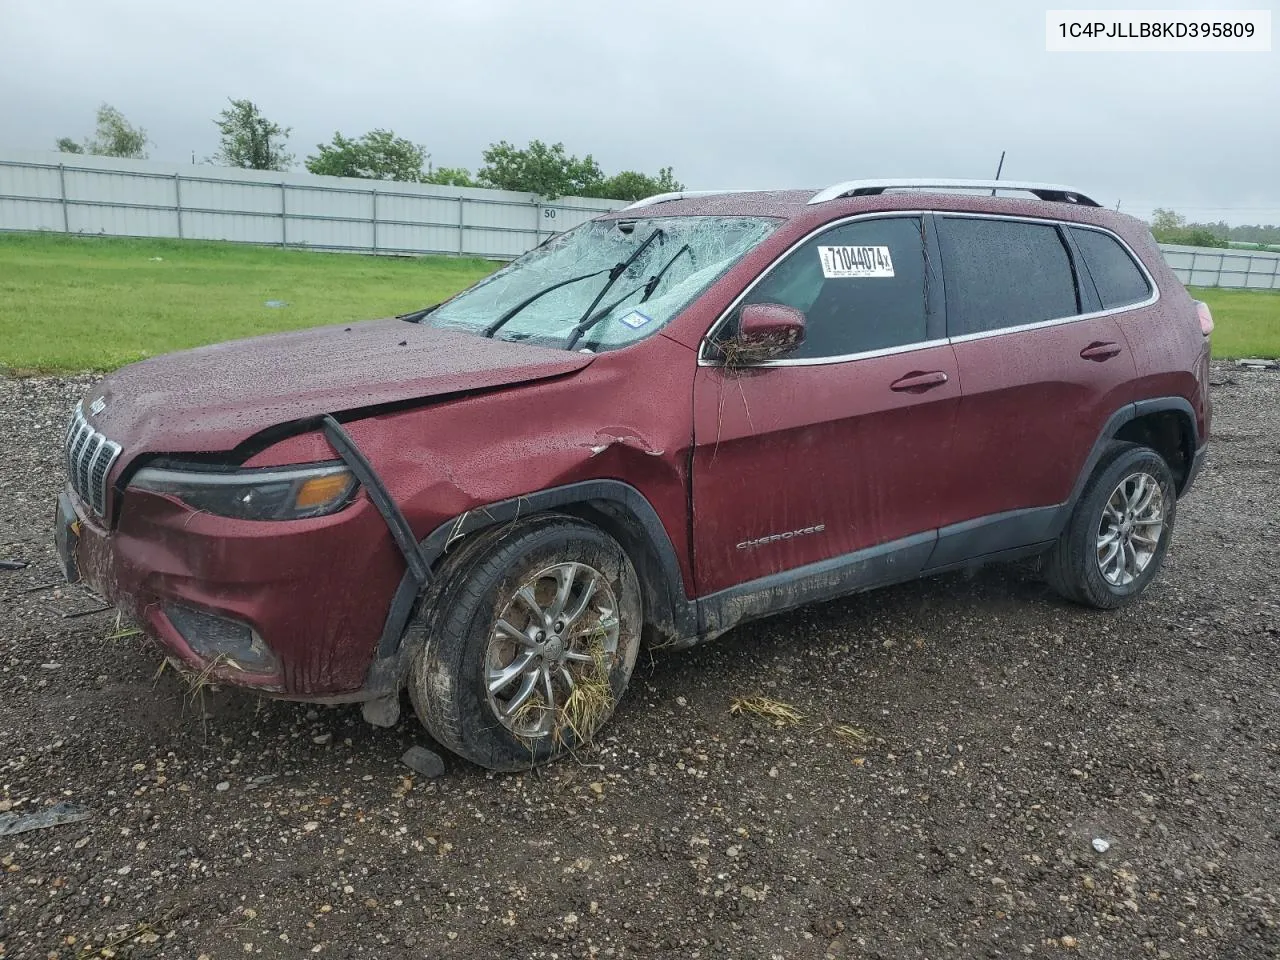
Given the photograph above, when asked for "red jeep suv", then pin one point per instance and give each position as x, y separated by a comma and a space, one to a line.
691, 412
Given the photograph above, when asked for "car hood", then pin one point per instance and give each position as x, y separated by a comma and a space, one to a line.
211, 399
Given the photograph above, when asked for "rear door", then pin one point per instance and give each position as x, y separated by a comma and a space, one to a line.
1042, 369
844, 444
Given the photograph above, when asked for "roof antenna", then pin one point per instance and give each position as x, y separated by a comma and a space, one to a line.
999, 167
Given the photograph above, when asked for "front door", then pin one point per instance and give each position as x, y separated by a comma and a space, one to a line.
844, 444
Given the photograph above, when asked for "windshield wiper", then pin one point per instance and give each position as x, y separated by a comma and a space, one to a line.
653, 281
498, 324
614, 274
414, 316
648, 287
617, 270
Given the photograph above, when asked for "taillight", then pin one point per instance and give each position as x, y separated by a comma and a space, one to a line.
1206, 317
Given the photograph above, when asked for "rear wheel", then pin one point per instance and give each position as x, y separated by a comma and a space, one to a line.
530, 646
1119, 532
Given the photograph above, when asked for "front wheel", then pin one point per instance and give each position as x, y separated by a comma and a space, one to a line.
530, 645
1119, 532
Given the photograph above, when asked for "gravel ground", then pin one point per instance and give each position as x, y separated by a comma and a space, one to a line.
1001, 732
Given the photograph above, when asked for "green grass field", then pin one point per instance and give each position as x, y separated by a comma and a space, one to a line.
95, 303
1246, 323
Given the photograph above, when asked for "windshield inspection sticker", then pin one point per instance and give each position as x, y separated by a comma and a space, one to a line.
635, 319
840, 262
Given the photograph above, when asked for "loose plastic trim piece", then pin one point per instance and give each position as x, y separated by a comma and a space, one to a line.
401, 532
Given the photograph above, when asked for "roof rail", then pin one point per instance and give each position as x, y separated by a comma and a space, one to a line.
868, 188
678, 195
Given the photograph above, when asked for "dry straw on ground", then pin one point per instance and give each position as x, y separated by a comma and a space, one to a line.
856, 737
774, 711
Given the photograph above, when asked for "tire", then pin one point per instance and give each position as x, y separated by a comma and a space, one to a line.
1081, 565
482, 630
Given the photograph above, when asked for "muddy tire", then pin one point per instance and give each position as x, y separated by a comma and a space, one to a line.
1119, 532
529, 645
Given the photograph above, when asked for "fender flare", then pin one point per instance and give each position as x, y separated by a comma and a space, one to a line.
674, 608
1126, 414
1182, 407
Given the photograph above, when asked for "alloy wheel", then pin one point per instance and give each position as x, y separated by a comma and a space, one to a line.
556, 633
1130, 529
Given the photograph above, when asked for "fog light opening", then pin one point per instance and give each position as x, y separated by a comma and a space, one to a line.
214, 637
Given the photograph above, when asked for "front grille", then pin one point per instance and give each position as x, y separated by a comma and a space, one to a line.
89, 459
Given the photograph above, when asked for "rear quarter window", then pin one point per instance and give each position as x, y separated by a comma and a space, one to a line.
1118, 280
1004, 273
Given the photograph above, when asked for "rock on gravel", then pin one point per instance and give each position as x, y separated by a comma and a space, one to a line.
1000, 731
424, 761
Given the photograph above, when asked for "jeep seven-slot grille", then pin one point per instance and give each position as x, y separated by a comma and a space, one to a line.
89, 459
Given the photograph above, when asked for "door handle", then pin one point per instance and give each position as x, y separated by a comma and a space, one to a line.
917, 382
1100, 350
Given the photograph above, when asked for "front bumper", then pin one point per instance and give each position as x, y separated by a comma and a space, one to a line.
316, 591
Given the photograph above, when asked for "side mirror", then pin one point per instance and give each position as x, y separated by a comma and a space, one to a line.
766, 331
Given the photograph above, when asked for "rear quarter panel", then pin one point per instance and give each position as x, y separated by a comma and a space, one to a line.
1170, 353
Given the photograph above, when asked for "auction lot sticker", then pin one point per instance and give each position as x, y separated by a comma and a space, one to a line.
840, 262
1157, 31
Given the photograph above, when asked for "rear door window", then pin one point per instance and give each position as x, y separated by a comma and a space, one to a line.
861, 287
1004, 273
1117, 278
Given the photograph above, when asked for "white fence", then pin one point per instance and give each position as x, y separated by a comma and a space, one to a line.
1211, 267
138, 198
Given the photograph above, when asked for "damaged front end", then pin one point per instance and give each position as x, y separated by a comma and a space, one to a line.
274, 510
293, 563
240, 600
205, 500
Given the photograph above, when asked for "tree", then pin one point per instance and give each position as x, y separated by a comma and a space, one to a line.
548, 171
250, 140
449, 176
113, 137
1171, 227
1168, 226
551, 172
378, 155
1162, 219
630, 185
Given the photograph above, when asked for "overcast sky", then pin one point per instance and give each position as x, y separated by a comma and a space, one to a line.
742, 94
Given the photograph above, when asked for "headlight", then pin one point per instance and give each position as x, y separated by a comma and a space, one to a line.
273, 493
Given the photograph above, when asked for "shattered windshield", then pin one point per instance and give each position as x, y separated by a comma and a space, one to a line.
605, 284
